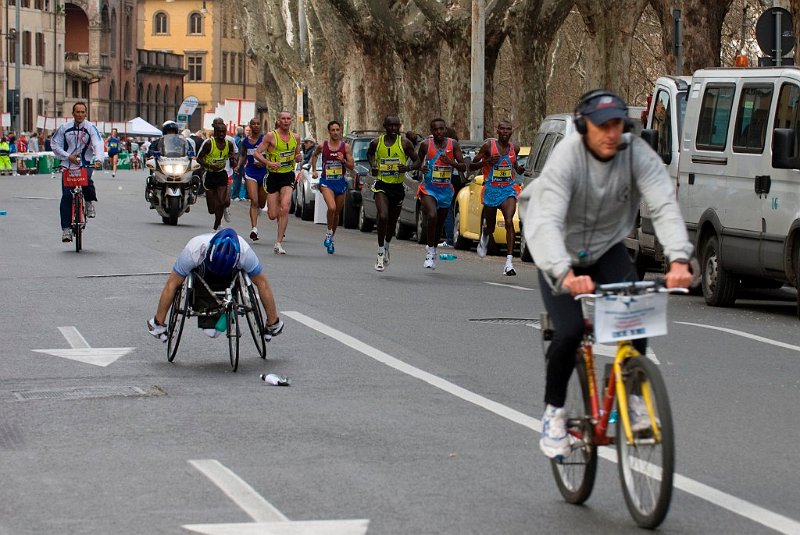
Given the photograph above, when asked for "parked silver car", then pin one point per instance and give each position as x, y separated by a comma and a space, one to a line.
305, 190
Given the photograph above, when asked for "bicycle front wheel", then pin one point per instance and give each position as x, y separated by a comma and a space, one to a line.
233, 337
575, 473
177, 316
647, 466
77, 221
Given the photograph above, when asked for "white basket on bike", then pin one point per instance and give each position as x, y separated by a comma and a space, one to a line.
629, 317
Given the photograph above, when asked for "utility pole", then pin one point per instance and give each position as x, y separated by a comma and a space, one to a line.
477, 70
17, 96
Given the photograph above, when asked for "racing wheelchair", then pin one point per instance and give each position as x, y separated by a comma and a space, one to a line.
218, 302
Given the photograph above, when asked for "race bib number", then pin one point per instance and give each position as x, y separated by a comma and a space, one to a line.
441, 174
503, 173
390, 166
621, 317
286, 156
333, 170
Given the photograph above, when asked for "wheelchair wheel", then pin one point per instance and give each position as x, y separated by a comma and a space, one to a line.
177, 316
248, 297
233, 337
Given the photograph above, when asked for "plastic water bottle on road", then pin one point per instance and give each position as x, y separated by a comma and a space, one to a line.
275, 379
447, 256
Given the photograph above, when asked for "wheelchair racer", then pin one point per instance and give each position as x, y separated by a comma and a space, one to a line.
219, 254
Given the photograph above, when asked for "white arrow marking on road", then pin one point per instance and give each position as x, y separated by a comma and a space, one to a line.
83, 352
268, 519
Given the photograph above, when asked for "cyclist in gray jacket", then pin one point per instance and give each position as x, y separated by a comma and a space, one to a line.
578, 212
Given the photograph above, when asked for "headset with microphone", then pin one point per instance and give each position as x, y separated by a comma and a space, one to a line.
583, 106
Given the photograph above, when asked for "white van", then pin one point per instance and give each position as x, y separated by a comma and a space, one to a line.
730, 138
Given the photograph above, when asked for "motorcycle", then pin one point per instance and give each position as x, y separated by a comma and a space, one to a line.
171, 188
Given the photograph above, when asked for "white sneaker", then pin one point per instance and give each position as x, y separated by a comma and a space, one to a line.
555, 441
430, 257
508, 269
90, 212
66, 235
278, 249
227, 215
483, 245
637, 412
386, 253
380, 262
254, 234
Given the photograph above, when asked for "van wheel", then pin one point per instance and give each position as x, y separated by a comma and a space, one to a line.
719, 286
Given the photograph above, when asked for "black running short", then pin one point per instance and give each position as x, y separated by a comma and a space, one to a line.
278, 181
215, 179
395, 193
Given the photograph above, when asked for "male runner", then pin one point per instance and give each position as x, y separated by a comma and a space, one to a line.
336, 156
214, 154
254, 173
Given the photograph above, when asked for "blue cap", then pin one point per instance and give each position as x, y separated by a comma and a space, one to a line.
605, 107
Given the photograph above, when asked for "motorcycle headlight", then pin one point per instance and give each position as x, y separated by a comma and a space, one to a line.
175, 169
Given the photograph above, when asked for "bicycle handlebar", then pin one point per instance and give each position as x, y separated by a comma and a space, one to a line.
631, 288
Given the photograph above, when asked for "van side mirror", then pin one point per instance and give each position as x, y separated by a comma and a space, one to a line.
783, 156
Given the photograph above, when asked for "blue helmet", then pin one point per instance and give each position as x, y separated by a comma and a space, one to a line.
223, 252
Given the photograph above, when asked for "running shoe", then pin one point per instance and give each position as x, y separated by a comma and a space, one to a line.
483, 245
380, 262
278, 249
445, 244
386, 249
254, 234
555, 441
90, 212
330, 247
227, 215
430, 258
66, 235
508, 269
327, 241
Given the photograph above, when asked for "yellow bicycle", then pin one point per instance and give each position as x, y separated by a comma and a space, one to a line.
632, 389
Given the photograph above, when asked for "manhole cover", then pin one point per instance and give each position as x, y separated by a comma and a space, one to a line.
506, 321
89, 392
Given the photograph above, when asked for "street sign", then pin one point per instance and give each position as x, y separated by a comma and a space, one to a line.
766, 27
187, 107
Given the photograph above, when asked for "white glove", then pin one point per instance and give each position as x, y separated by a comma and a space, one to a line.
156, 330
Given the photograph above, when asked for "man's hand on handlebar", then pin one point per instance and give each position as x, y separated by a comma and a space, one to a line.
679, 275
581, 284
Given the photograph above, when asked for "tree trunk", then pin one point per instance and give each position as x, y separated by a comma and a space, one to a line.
531, 33
702, 32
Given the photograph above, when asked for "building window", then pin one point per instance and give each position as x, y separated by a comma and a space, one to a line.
84, 89
25, 3
27, 114
26, 48
194, 64
40, 107
160, 23
128, 36
241, 68
74, 88
195, 24
39, 49
113, 37
224, 67
38, 4
233, 68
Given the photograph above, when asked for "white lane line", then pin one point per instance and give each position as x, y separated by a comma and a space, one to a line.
511, 286
748, 510
74, 338
743, 335
239, 491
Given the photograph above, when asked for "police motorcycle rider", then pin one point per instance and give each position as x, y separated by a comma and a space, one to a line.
155, 148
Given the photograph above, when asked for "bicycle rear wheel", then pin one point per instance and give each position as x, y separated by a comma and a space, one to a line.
77, 221
647, 466
233, 337
255, 318
177, 316
576, 473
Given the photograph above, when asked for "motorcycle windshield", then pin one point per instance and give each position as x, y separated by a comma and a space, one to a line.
172, 146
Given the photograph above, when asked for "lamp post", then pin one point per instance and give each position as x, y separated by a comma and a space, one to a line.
17, 104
